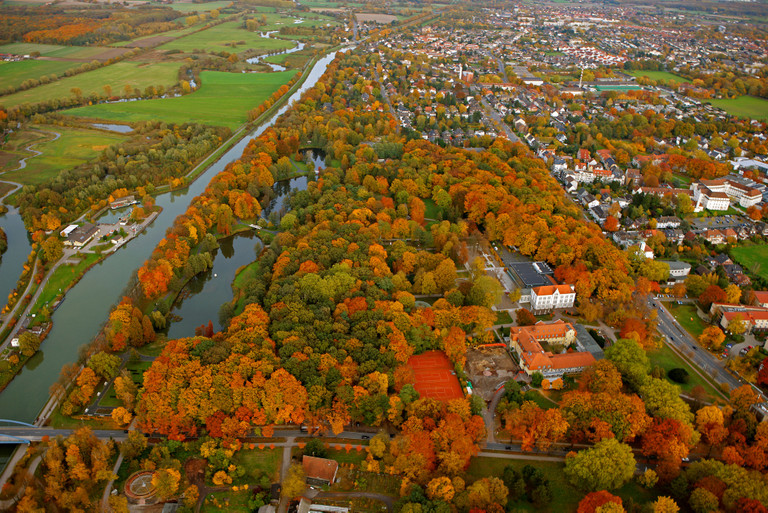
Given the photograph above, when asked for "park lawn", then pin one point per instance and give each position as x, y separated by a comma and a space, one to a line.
223, 99
544, 403
503, 317
12, 74
751, 257
744, 106
117, 76
227, 500
137, 369
667, 359
565, 498
687, 317
658, 75
74, 147
257, 463
220, 38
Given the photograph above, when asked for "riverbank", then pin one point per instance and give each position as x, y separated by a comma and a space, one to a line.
40, 300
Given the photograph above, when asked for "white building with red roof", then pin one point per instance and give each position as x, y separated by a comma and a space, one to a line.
550, 297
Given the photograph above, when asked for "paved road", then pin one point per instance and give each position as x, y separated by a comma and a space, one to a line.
36, 434
681, 340
491, 112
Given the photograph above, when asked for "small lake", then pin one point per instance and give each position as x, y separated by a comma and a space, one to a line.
123, 129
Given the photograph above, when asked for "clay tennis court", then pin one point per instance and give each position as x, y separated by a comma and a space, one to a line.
434, 378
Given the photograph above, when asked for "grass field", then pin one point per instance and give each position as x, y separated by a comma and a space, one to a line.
85, 53
257, 463
170, 33
565, 498
12, 74
744, 106
668, 360
748, 256
117, 76
74, 147
289, 60
60, 280
658, 75
233, 502
223, 99
687, 317
221, 37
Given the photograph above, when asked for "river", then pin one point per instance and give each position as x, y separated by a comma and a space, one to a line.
12, 261
87, 305
201, 298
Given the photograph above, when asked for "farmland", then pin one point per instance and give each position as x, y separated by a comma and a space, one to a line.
12, 74
117, 76
74, 53
188, 7
229, 36
658, 75
223, 100
744, 106
754, 258
74, 147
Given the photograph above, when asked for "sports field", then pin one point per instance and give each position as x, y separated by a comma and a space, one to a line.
434, 376
74, 147
221, 38
658, 75
744, 106
748, 256
118, 75
12, 74
223, 99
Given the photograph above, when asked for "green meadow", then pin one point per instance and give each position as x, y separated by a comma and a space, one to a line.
749, 256
229, 36
117, 76
744, 106
74, 147
223, 99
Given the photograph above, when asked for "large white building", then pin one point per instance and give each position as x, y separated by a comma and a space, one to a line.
550, 297
717, 194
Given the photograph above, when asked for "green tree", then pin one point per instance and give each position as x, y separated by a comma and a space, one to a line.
607, 466
134, 445
105, 365
29, 343
630, 360
315, 447
662, 399
703, 501
485, 291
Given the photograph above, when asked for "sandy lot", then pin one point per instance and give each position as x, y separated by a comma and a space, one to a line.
488, 368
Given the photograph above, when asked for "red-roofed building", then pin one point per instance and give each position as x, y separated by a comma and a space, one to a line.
549, 297
319, 471
761, 298
526, 342
752, 320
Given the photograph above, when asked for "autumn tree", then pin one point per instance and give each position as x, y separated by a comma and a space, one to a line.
594, 500
524, 317
630, 360
294, 483
29, 343
712, 338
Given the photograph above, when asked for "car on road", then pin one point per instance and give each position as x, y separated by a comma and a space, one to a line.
728, 346
365, 437
507, 447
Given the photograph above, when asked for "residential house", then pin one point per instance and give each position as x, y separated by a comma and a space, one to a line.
319, 471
